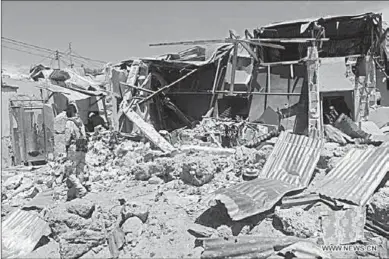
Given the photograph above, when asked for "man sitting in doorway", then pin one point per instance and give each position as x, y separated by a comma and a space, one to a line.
94, 120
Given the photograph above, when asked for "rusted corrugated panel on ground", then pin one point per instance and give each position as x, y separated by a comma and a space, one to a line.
301, 199
244, 246
293, 159
304, 249
21, 231
252, 197
357, 175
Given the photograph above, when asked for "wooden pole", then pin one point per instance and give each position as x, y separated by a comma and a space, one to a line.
215, 83
233, 68
70, 55
314, 111
167, 87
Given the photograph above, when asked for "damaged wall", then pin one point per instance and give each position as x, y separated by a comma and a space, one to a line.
84, 106
383, 87
280, 82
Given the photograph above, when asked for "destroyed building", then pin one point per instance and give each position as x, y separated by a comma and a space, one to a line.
342, 55
230, 154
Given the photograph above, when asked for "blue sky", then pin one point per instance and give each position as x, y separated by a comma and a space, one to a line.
113, 31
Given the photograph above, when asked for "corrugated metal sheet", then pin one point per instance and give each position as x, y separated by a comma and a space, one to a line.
252, 197
293, 159
244, 246
305, 249
357, 175
21, 231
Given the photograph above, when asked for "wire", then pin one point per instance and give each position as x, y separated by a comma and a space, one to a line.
79, 56
23, 51
19, 43
43, 49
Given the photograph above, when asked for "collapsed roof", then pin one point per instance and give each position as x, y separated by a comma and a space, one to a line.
348, 35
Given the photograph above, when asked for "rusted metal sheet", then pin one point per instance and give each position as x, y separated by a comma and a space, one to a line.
252, 197
356, 176
304, 249
300, 199
244, 246
21, 231
293, 159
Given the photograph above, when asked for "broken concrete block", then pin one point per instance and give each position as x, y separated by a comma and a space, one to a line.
201, 231
155, 180
298, 222
195, 174
136, 209
224, 231
141, 173
133, 228
68, 250
116, 241
378, 208
335, 135
81, 207
32, 193
13, 182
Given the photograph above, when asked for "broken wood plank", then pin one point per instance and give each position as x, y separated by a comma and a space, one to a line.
167, 86
229, 40
149, 131
246, 47
210, 150
137, 88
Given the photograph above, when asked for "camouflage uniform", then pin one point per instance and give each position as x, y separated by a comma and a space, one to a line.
75, 138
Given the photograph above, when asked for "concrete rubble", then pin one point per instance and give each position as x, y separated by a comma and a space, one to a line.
132, 186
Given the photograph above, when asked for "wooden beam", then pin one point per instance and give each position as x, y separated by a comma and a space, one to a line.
167, 86
229, 40
138, 88
246, 47
215, 83
149, 131
233, 68
105, 112
264, 64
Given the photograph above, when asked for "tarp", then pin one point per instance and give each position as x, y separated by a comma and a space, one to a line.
70, 94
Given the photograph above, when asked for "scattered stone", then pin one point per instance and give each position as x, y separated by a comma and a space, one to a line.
133, 228
196, 174
135, 209
13, 182
298, 222
68, 250
224, 231
201, 231
155, 180
32, 193
81, 207
116, 241
378, 208
140, 173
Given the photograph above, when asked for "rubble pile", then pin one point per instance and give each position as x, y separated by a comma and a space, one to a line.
143, 200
